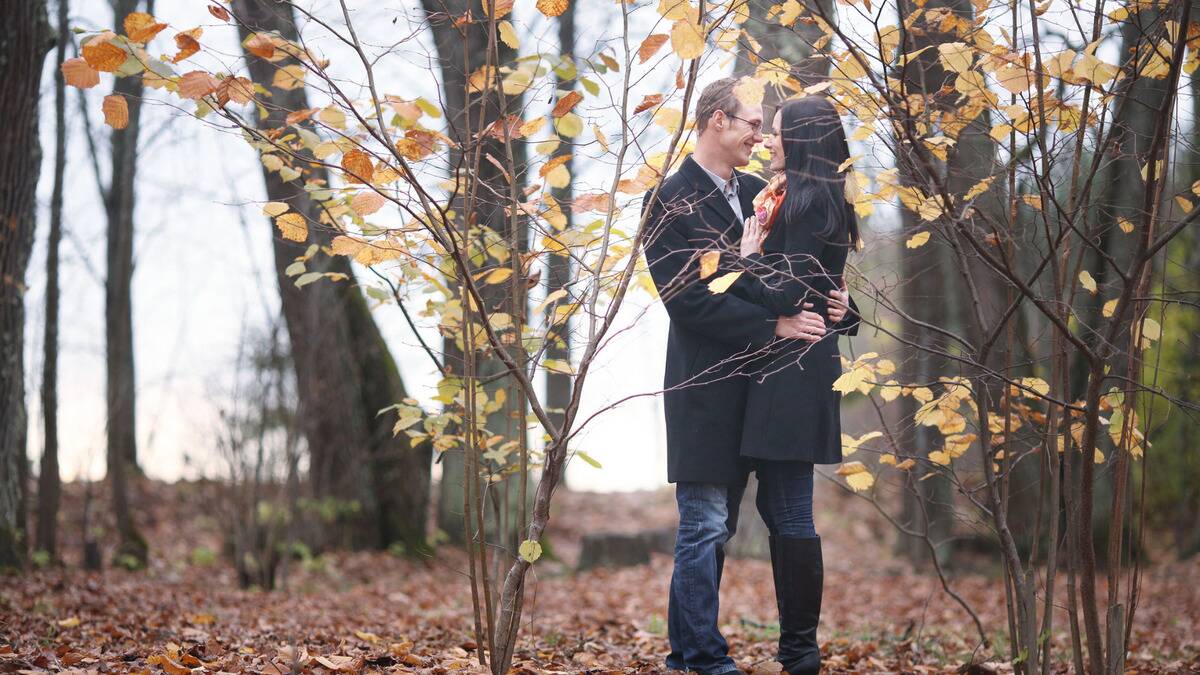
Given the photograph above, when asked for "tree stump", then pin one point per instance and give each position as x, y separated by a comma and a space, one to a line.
623, 549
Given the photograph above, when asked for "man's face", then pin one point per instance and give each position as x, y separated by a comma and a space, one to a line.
738, 133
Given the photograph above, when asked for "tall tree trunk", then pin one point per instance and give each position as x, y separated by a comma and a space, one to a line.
931, 284
345, 373
49, 483
558, 384
25, 38
795, 44
461, 50
118, 313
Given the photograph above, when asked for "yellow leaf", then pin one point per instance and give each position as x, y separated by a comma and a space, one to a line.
509, 36
569, 125
273, 209
289, 77
907, 464
600, 136
1037, 384
367, 637
333, 116
1087, 281
69, 622
1013, 78
1125, 224
723, 282
673, 10
530, 550
686, 39
1184, 203
850, 445
708, 263
890, 391
1109, 308
775, 71
749, 92
857, 476
917, 240
1151, 330
922, 394
558, 177
940, 457
956, 56
292, 227
498, 275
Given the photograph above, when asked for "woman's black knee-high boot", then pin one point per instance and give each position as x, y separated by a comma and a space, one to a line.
799, 578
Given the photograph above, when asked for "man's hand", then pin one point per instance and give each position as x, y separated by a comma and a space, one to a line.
806, 325
839, 304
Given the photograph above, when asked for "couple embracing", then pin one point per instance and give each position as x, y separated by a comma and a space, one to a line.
750, 371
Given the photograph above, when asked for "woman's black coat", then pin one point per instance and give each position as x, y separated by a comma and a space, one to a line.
711, 334
792, 411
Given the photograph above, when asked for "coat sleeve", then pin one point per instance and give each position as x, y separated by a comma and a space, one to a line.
782, 281
675, 268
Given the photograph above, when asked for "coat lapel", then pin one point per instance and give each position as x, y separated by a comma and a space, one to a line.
720, 216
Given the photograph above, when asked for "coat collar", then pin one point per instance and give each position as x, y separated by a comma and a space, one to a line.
711, 196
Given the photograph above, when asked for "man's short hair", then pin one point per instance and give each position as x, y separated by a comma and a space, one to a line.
716, 96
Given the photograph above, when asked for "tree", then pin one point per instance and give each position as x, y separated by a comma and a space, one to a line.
345, 373
49, 482
25, 38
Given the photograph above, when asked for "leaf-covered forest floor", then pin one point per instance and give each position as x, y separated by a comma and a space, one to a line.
375, 611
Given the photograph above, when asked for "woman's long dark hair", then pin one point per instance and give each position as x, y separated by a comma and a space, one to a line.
814, 146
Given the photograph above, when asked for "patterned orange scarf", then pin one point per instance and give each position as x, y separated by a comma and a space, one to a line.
767, 202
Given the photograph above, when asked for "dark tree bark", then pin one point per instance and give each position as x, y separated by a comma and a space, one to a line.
25, 38
461, 50
49, 482
119, 202
344, 371
930, 292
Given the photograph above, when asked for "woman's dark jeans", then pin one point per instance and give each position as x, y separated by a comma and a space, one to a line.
708, 516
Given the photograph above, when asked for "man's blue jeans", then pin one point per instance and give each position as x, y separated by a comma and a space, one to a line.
708, 517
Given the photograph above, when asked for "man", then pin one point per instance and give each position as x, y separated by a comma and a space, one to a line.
699, 208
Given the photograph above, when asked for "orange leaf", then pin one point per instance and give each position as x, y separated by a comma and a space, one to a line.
357, 166
297, 116
554, 162
196, 84
261, 46
236, 89
566, 103
187, 43
116, 111
219, 12
105, 56
503, 7
366, 203
651, 45
552, 7
141, 27
77, 73
648, 102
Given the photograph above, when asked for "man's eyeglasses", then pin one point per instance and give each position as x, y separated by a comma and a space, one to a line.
755, 125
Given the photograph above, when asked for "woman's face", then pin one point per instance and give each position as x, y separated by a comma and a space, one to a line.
775, 144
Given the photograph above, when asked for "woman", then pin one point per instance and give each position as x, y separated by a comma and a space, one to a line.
795, 249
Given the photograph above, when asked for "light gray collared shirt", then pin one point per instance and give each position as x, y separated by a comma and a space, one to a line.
729, 189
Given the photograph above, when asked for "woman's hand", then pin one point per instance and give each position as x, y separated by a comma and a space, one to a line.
838, 304
752, 237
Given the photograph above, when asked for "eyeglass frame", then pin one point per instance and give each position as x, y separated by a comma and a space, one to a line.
756, 127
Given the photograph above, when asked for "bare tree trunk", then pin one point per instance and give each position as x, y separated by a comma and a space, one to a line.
49, 483
462, 49
118, 313
929, 279
25, 38
345, 373
769, 39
